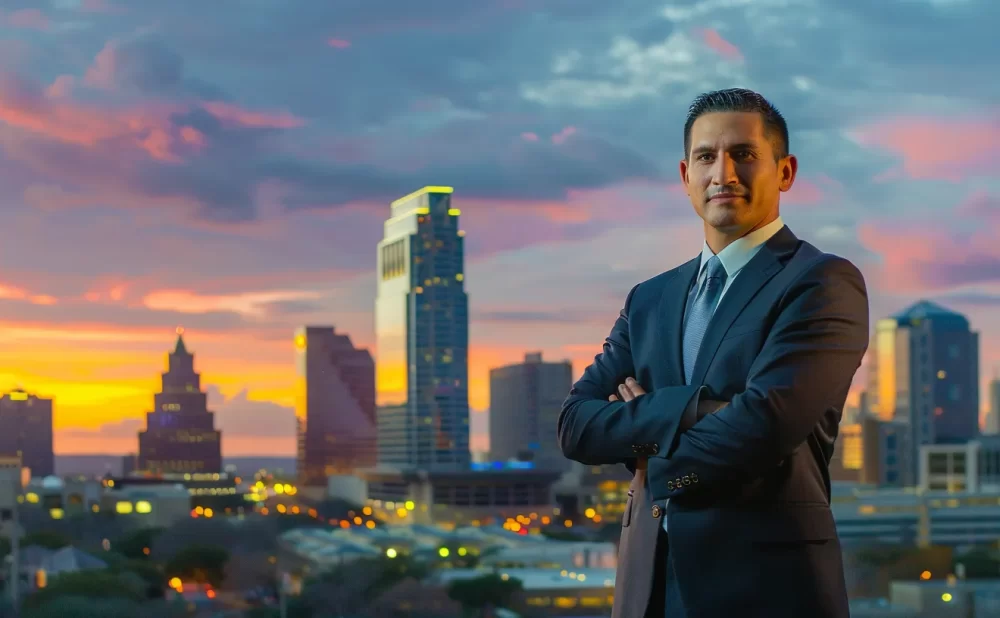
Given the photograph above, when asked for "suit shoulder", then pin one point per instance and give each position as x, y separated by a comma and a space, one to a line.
812, 261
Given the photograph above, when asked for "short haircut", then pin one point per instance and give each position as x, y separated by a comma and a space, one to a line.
739, 100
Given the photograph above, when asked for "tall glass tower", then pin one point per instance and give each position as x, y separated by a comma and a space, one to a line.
422, 335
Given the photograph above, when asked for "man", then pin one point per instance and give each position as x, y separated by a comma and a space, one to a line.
721, 388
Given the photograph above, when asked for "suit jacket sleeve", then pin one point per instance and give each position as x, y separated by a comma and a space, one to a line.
805, 367
595, 431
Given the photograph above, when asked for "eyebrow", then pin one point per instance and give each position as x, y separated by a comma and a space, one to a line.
710, 149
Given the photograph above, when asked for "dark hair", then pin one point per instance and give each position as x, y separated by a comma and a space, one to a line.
739, 100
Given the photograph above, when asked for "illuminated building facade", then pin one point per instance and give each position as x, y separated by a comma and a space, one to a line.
525, 401
26, 421
924, 372
335, 405
422, 332
180, 435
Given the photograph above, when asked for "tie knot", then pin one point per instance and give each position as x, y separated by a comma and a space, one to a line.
714, 268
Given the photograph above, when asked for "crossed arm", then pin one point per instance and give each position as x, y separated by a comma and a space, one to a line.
805, 367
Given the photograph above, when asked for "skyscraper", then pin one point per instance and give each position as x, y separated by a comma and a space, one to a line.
422, 333
924, 371
26, 429
335, 405
180, 435
993, 416
525, 401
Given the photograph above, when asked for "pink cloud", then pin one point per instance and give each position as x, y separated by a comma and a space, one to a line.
61, 87
922, 257
235, 114
528, 136
339, 43
563, 135
719, 45
29, 19
936, 148
99, 6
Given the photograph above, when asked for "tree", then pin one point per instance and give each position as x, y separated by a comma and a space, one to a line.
479, 593
90, 584
47, 539
979, 564
137, 543
204, 564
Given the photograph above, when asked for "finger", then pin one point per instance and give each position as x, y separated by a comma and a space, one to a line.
625, 393
634, 387
612, 398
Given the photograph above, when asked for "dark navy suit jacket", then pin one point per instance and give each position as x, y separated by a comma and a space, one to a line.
751, 532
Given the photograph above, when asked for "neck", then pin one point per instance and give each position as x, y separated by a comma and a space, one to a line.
720, 238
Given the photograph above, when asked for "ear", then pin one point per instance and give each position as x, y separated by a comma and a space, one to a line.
684, 175
787, 169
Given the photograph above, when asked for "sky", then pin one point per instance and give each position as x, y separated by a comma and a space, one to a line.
226, 166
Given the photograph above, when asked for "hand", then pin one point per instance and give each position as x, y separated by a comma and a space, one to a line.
628, 391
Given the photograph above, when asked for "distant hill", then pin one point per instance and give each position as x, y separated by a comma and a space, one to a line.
99, 465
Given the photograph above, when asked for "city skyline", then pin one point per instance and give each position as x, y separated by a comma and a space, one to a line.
253, 189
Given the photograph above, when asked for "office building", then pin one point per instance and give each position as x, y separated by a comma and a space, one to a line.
26, 422
180, 435
525, 401
335, 405
924, 371
970, 467
992, 426
888, 458
422, 333
848, 453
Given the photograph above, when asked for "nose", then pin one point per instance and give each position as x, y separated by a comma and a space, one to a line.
724, 170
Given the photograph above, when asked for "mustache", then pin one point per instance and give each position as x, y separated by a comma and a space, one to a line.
726, 191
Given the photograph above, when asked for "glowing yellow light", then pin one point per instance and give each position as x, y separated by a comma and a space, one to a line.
423, 191
56, 513
590, 513
123, 508
357, 521
370, 525
279, 489
199, 510
443, 552
401, 512
32, 498
208, 513
391, 552
367, 510
300, 341
459, 277
462, 551
423, 210
175, 582
454, 212
281, 508
946, 597
179, 330
925, 575
568, 523
19, 396
143, 507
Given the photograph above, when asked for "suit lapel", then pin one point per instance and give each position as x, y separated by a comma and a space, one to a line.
671, 318
769, 260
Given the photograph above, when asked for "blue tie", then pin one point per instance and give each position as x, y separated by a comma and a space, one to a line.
700, 313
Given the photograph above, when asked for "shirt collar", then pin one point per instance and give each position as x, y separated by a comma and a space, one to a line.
736, 255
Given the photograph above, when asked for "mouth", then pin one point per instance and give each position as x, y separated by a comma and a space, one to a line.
725, 197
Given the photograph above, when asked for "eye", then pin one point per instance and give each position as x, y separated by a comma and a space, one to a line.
705, 157
743, 154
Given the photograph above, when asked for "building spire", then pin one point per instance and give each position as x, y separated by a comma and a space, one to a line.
180, 347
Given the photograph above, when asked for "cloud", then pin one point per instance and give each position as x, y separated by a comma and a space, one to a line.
937, 148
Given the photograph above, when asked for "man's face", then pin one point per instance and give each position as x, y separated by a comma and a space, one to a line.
731, 175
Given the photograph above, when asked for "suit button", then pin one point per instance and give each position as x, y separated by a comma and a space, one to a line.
654, 448
636, 448
657, 511
687, 479
694, 478
670, 485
